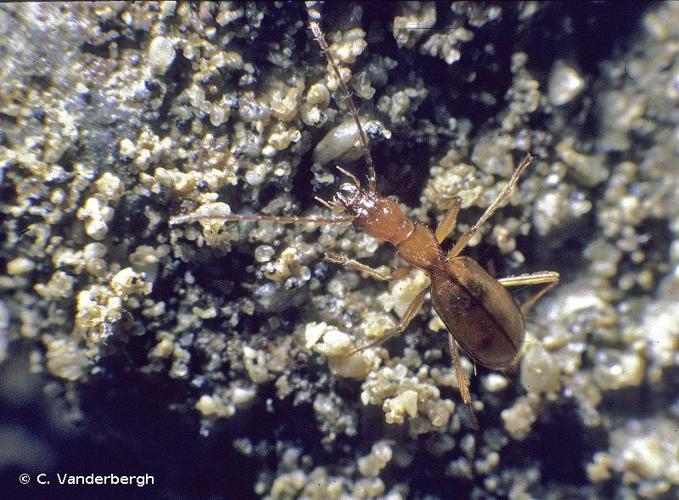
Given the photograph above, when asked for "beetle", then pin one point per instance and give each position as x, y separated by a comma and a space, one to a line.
479, 313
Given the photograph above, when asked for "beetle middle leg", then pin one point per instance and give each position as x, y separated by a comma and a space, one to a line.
395, 274
506, 191
549, 278
410, 313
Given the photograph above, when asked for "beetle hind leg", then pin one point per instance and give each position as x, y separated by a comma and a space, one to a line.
548, 278
462, 382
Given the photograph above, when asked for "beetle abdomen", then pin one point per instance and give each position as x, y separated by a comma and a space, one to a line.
478, 311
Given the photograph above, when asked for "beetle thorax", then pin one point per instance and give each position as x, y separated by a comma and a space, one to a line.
379, 216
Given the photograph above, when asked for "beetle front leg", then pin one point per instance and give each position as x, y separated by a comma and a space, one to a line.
395, 274
449, 220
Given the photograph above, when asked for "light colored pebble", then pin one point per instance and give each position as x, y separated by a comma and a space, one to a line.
20, 265
565, 83
161, 54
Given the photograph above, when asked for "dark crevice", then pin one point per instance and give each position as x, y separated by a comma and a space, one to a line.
563, 444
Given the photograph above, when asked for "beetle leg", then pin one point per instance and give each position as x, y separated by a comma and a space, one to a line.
448, 222
504, 193
528, 305
395, 274
410, 313
462, 383
530, 279
549, 278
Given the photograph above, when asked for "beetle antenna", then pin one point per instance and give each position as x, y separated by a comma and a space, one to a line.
278, 219
346, 95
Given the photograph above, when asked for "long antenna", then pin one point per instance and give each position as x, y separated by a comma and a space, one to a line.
279, 219
320, 38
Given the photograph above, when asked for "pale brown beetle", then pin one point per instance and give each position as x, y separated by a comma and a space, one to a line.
479, 313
